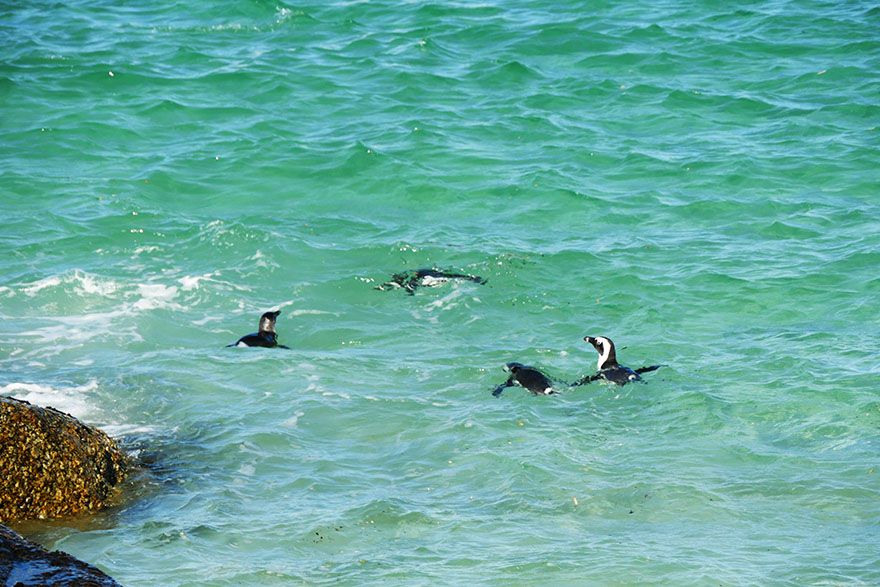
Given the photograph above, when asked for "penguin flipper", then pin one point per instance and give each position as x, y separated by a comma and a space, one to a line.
641, 370
586, 379
502, 387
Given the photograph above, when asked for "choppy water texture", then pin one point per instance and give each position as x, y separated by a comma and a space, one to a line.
698, 182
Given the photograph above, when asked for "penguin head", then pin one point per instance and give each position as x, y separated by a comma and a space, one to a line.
267, 321
513, 367
605, 348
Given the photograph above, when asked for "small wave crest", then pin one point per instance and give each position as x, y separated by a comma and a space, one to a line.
74, 400
79, 401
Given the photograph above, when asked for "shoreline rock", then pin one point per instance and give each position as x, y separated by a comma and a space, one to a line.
26, 563
54, 465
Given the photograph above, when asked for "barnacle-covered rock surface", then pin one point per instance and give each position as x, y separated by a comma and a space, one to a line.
26, 563
53, 465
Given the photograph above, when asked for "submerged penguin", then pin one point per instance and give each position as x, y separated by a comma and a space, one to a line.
527, 377
413, 278
609, 369
266, 337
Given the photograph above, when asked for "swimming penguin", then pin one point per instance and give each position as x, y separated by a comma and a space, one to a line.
413, 278
266, 337
608, 367
527, 377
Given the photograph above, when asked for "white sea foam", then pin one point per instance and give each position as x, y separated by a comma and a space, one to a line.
33, 288
82, 281
93, 318
335, 394
260, 260
302, 312
155, 295
282, 14
293, 420
191, 282
90, 284
145, 249
76, 401
119, 430
83, 327
445, 301
62, 331
207, 320
70, 400
82, 284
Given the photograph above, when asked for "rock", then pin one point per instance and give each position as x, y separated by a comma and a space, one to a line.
53, 465
26, 563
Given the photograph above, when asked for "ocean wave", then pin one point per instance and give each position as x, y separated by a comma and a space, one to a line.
75, 400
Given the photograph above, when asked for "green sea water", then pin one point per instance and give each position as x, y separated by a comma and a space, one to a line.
699, 182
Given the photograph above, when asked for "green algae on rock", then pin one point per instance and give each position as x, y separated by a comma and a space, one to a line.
53, 465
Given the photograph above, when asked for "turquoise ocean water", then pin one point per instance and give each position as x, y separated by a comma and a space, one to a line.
698, 181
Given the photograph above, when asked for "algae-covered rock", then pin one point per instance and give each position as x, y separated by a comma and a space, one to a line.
26, 563
52, 464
